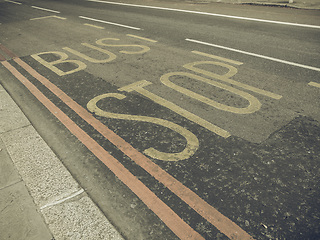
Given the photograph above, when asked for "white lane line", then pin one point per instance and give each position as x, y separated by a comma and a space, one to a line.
45, 9
210, 14
116, 24
314, 84
256, 55
39, 18
13, 2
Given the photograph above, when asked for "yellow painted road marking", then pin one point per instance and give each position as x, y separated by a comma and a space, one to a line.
63, 59
314, 84
142, 38
138, 87
217, 57
226, 77
79, 54
254, 103
192, 141
90, 25
53, 16
144, 49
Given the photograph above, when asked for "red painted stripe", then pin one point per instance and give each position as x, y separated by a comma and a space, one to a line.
7, 51
2, 58
166, 214
212, 215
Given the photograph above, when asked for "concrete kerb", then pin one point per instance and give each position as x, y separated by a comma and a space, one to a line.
303, 4
38, 195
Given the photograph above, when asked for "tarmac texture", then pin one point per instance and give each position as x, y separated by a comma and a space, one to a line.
39, 198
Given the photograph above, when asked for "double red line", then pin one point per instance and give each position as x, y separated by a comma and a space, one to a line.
165, 213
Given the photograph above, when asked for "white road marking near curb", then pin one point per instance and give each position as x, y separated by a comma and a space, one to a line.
45, 9
62, 200
256, 55
210, 14
314, 84
116, 24
13, 2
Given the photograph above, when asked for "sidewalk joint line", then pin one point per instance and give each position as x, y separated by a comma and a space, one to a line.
14, 183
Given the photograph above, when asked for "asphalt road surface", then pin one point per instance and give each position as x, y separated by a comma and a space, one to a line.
201, 123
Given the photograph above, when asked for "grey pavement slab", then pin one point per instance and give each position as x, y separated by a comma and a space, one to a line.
8, 172
10, 114
19, 218
78, 222
39, 198
39, 167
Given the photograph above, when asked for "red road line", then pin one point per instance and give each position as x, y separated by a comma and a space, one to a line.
212, 215
166, 214
2, 58
7, 51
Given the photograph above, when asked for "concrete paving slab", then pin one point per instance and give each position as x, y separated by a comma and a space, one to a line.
8, 172
10, 114
37, 192
73, 219
19, 218
44, 174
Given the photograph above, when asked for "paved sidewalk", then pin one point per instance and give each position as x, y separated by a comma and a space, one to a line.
304, 4
39, 199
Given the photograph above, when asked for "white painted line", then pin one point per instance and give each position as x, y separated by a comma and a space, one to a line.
314, 84
13, 2
256, 55
62, 18
45, 9
62, 200
116, 24
210, 14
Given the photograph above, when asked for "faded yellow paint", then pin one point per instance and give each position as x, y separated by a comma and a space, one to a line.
94, 26
139, 87
144, 49
192, 144
254, 103
218, 58
142, 38
110, 58
314, 84
226, 77
63, 59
